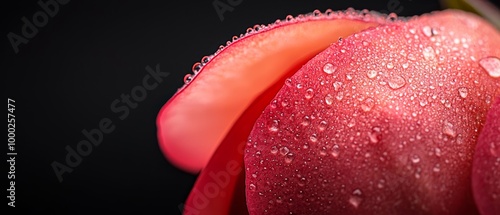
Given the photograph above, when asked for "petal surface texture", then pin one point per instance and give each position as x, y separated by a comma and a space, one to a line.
486, 168
384, 122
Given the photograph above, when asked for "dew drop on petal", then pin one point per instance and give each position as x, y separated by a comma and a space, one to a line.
427, 31
429, 53
329, 68
436, 168
329, 99
289, 158
448, 129
274, 126
491, 65
188, 78
335, 150
313, 138
309, 93
495, 149
396, 82
371, 74
415, 159
251, 187
337, 85
367, 104
284, 150
351, 123
274, 150
355, 199
390, 65
462, 91
322, 125
306, 121
411, 57
340, 96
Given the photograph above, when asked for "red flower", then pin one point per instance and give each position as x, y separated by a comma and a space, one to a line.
343, 113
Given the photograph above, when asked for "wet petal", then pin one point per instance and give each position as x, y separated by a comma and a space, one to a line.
390, 131
194, 122
486, 167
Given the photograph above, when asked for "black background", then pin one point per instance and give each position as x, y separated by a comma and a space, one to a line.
90, 53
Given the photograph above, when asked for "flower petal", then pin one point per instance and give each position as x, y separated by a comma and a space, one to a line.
390, 131
220, 185
193, 123
486, 167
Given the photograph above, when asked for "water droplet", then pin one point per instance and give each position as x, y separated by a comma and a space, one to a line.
436, 168
429, 53
396, 82
365, 43
288, 82
274, 126
491, 65
448, 129
437, 151
487, 98
329, 99
299, 86
274, 150
405, 65
313, 138
329, 68
306, 121
335, 150
309, 93
371, 74
289, 158
367, 104
381, 183
351, 123
427, 31
390, 65
373, 136
322, 125
355, 199
415, 159
462, 91
205, 60
284, 150
340, 96
495, 149
317, 13
337, 85
252, 187
302, 181
322, 151
392, 17
411, 57
289, 18
188, 78
196, 67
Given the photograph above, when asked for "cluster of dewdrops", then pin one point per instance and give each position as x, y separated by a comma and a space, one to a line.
329, 14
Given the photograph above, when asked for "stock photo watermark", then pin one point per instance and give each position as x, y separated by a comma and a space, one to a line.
95, 136
39, 20
221, 7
